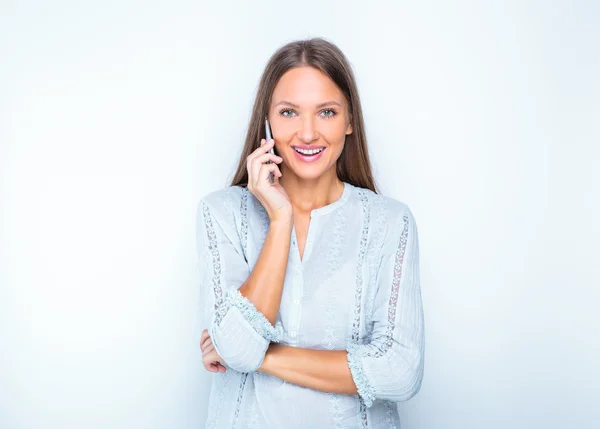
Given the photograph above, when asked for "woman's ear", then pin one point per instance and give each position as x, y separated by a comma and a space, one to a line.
349, 129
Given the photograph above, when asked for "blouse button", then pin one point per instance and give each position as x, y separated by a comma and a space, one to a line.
297, 301
293, 333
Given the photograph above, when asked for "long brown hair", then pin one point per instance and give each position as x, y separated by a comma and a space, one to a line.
353, 165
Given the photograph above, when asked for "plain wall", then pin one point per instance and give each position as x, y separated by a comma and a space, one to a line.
116, 117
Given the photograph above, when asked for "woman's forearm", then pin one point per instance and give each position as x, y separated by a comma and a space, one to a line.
264, 286
324, 370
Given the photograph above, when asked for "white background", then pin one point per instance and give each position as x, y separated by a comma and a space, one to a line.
117, 116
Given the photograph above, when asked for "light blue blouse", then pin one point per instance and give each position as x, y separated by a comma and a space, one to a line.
356, 289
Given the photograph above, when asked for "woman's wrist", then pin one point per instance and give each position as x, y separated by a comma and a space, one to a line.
283, 221
265, 363
281, 227
269, 362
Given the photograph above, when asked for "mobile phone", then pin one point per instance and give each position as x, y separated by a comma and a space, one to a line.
272, 150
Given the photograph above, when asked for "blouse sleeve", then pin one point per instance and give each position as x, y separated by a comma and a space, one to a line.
390, 365
240, 333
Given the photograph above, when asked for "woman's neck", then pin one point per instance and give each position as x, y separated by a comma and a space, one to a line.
307, 195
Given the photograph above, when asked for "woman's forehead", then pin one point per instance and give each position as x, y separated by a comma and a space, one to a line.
306, 87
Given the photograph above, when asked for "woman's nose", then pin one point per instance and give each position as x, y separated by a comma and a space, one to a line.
307, 131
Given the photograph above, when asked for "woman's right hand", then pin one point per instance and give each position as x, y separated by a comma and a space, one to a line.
272, 195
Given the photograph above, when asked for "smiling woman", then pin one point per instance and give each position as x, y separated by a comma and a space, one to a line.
311, 283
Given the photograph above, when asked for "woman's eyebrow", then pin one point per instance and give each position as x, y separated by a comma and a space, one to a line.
327, 103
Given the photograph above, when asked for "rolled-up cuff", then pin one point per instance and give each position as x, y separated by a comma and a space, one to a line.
365, 390
240, 346
255, 318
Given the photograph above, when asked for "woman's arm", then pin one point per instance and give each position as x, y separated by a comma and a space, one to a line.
324, 370
233, 295
264, 286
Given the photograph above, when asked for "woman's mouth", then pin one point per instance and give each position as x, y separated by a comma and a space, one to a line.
309, 155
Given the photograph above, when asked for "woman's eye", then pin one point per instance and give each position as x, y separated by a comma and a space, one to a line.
331, 114
283, 112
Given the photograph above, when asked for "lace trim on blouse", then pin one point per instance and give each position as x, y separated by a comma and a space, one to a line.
214, 251
395, 286
244, 215
365, 390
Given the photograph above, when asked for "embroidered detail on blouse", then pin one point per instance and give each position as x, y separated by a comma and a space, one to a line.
363, 386
253, 423
390, 410
393, 303
212, 246
244, 215
361, 254
239, 398
336, 412
377, 238
331, 306
366, 393
221, 380
363, 415
225, 198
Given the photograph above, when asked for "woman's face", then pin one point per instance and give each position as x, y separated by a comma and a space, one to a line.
308, 111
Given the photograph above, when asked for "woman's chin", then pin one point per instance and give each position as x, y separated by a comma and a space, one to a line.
306, 172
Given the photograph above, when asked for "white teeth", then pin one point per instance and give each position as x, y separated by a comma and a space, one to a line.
308, 152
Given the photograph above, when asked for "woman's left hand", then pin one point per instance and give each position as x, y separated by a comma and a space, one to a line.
211, 360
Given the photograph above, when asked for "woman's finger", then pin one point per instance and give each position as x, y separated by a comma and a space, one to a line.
253, 163
265, 146
257, 164
203, 337
211, 367
264, 171
208, 349
209, 363
206, 342
212, 362
261, 159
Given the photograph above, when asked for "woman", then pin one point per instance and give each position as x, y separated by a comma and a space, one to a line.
311, 283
